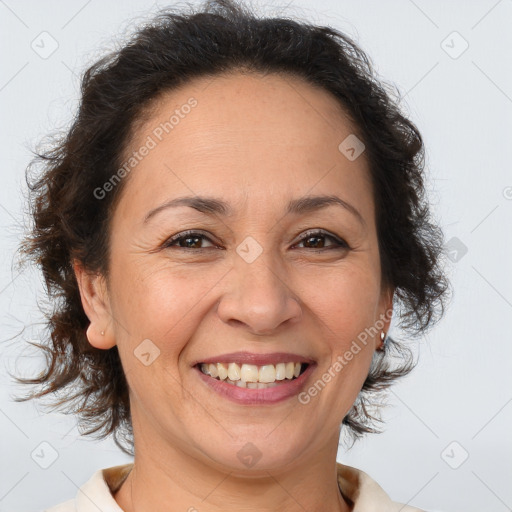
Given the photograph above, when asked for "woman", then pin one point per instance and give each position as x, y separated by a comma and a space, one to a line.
226, 230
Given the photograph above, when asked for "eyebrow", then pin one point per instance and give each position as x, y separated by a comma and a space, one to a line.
214, 206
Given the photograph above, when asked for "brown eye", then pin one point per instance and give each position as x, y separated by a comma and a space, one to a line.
188, 240
317, 240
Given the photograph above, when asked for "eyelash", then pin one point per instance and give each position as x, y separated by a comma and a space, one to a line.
340, 243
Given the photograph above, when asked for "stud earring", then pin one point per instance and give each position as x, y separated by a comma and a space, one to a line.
103, 333
382, 340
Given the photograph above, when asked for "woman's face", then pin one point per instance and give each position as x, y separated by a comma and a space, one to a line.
256, 276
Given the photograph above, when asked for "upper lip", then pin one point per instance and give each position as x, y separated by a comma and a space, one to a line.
256, 359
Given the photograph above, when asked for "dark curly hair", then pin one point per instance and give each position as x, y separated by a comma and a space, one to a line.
69, 222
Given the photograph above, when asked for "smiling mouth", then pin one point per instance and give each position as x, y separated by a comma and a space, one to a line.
253, 376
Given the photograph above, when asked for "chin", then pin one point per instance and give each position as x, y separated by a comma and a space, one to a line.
253, 455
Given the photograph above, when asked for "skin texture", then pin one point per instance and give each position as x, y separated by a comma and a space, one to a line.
255, 141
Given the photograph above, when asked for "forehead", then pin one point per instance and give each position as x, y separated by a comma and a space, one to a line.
244, 135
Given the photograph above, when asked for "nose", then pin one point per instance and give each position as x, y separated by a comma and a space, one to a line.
259, 297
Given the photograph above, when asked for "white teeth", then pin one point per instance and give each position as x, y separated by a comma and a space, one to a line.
233, 371
222, 370
249, 373
267, 373
212, 369
280, 371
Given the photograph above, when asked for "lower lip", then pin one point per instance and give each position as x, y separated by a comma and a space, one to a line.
248, 396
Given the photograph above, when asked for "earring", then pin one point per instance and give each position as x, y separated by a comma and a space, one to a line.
103, 333
382, 340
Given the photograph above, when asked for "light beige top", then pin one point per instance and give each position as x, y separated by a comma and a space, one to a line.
359, 490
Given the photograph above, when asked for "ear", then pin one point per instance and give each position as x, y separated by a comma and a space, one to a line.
96, 304
385, 313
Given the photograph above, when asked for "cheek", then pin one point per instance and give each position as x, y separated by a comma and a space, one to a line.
346, 299
158, 311
345, 305
347, 314
158, 302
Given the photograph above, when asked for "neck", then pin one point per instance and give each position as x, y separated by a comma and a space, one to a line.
170, 476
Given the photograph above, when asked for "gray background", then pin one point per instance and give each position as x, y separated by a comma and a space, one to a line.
446, 446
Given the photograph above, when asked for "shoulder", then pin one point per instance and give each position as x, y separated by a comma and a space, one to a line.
66, 506
99, 489
365, 494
